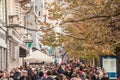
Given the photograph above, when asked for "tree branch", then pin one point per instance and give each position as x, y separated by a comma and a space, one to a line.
74, 37
94, 17
19, 26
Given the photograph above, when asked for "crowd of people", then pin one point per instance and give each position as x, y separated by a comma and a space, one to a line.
71, 70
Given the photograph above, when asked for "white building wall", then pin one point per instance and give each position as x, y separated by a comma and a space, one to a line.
15, 9
38, 7
14, 12
30, 23
3, 44
33, 19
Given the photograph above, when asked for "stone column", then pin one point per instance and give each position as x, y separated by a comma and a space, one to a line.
0, 58
8, 54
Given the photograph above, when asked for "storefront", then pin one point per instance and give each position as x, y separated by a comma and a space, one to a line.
15, 47
23, 52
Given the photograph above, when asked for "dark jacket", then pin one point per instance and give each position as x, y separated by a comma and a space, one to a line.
27, 78
49, 78
105, 78
40, 78
11, 78
17, 75
34, 77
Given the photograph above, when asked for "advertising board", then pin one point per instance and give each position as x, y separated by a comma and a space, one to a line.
110, 66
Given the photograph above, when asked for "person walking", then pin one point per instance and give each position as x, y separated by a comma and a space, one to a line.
17, 74
25, 75
3, 76
105, 77
49, 75
34, 75
41, 76
62, 77
75, 76
11, 76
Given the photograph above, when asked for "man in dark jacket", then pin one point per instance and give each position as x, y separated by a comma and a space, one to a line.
25, 75
41, 76
17, 74
49, 75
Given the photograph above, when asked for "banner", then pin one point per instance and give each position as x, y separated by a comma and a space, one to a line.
110, 66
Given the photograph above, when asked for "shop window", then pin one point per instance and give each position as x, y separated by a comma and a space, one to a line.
22, 52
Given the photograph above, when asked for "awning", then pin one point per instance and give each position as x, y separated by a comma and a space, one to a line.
38, 57
23, 46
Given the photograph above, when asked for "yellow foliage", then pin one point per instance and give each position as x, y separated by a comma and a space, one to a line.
86, 22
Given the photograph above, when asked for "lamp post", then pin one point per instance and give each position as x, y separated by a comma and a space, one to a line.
28, 40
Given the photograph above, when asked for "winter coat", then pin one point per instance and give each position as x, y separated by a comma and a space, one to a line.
17, 75
105, 78
27, 78
49, 78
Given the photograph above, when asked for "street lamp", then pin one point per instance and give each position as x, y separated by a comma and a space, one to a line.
28, 38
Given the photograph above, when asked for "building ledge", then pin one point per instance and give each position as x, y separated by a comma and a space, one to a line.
15, 35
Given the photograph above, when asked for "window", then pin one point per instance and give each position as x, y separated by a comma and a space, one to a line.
45, 19
36, 8
39, 13
2, 10
41, 5
67, 12
22, 52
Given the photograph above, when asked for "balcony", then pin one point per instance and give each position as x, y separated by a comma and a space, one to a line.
27, 38
23, 1
25, 4
14, 34
13, 19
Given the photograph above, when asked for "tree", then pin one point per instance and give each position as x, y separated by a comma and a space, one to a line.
91, 27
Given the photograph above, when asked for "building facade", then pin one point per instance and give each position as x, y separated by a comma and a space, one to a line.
34, 20
15, 17
3, 43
